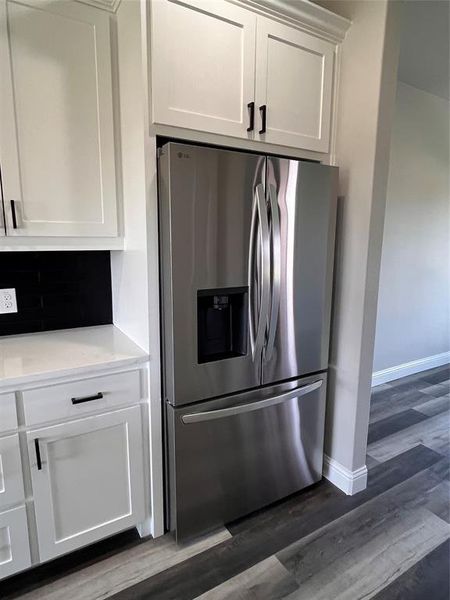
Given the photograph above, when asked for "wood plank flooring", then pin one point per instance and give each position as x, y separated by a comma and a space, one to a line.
390, 541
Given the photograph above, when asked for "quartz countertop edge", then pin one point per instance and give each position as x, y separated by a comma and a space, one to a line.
37, 357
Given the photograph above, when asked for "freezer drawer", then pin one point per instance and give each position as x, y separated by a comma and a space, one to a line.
231, 456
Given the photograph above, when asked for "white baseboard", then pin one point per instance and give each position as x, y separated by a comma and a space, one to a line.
410, 368
350, 482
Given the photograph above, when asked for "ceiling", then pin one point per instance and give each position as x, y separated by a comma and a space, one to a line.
424, 47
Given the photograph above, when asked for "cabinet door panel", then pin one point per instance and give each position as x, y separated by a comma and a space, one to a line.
203, 65
11, 482
90, 484
14, 542
8, 415
56, 135
294, 80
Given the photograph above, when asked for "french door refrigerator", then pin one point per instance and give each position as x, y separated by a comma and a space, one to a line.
246, 259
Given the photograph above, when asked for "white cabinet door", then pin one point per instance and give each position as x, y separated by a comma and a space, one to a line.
8, 414
87, 478
11, 481
294, 74
203, 65
56, 120
14, 542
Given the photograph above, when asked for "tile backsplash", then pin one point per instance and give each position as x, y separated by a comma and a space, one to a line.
56, 290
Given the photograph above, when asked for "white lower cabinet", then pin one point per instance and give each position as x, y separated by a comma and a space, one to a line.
11, 480
14, 542
87, 478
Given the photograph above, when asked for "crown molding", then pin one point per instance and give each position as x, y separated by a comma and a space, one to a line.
109, 5
300, 13
303, 14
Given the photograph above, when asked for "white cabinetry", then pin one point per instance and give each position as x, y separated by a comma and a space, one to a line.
11, 481
8, 415
294, 77
87, 479
215, 63
74, 464
203, 64
57, 151
14, 543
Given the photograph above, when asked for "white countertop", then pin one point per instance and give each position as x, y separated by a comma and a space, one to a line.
39, 356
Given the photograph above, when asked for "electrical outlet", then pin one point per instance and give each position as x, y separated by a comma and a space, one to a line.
8, 302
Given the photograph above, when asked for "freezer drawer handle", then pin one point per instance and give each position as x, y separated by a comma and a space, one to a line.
244, 408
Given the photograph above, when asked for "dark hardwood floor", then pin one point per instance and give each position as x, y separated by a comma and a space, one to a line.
390, 541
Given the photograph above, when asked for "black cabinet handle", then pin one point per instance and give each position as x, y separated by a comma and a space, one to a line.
98, 396
251, 108
38, 454
263, 113
13, 214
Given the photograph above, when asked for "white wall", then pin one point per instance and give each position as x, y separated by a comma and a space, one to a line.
366, 102
414, 299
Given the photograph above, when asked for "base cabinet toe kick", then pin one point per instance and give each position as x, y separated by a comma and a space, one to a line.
73, 466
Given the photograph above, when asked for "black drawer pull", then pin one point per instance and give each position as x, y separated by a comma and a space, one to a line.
38, 454
251, 108
82, 399
263, 113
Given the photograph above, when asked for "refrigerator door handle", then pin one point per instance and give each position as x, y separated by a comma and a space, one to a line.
275, 271
251, 275
244, 408
261, 230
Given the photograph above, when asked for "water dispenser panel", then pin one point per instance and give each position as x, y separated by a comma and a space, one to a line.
222, 323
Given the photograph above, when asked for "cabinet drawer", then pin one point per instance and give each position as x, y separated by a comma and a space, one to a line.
14, 542
11, 482
76, 398
8, 415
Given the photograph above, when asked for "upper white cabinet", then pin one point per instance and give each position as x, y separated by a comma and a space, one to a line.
203, 65
57, 152
221, 68
294, 78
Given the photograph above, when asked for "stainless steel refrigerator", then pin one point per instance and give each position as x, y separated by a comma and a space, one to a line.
246, 245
